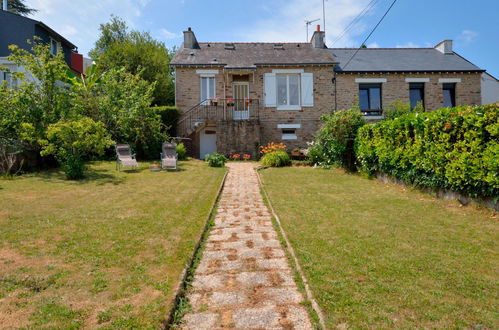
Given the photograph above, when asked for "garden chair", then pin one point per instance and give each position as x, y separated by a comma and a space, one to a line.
169, 156
124, 157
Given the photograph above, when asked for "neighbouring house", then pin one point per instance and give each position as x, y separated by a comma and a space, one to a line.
17, 30
490, 89
234, 97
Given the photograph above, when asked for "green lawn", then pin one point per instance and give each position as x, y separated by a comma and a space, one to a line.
383, 256
106, 251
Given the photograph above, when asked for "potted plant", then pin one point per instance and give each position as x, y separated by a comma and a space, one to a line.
214, 101
230, 102
247, 101
246, 156
235, 156
296, 152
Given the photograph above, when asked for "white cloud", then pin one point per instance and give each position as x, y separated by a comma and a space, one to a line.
79, 20
467, 36
165, 34
373, 45
288, 22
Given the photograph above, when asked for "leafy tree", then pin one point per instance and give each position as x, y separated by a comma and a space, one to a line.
139, 53
27, 110
70, 141
121, 100
19, 7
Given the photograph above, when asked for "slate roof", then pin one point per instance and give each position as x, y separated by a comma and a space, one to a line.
400, 60
249, 55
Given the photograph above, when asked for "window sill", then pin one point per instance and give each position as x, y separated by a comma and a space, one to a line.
289, 108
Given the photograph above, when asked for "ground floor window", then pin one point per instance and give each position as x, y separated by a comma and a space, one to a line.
288, 91
416, 94
289, 134
370, 97
449, 93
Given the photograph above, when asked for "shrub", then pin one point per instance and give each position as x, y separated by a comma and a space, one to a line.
70, 141
215, 159
276, 158
334, 143
181, 151
455, 149
398, 108
235, 156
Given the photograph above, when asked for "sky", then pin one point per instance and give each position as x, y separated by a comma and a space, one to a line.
473, 25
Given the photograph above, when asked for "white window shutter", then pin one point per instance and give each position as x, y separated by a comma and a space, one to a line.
270, 90
307, 89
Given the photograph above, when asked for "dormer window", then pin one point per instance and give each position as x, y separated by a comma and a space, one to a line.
279, 46
230, 46
54, 46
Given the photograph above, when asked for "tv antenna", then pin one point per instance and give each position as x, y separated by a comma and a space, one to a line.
307, 23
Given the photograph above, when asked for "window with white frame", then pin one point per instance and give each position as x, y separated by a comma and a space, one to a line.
288, 89
207, 88
54, 47
288, 131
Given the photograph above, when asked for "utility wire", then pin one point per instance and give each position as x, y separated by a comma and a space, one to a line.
364, 12
372, 31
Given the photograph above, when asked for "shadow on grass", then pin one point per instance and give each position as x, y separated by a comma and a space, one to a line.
99, 176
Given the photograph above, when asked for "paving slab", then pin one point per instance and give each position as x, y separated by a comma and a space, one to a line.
244, 280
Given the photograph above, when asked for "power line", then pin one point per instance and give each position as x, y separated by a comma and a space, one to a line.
364, 12
372, 31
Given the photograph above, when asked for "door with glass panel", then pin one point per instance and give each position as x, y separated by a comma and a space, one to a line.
241, 100
207, 89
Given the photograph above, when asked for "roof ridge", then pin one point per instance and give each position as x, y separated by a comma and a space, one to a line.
381, 48
252, 42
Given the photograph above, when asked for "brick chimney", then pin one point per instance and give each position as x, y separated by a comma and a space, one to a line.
190, 39
318, 37
444, 46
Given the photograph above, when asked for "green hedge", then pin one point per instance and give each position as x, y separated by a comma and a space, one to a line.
456, 149
169, 117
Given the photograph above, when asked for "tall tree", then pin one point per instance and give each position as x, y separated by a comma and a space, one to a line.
19, 7
137, 52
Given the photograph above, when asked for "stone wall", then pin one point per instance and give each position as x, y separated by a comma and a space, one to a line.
468, 91
238, 136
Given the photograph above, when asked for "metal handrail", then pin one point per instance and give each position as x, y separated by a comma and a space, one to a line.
218, 109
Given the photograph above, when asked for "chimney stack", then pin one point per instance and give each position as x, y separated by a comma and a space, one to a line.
444, 46
190, 41
5, 6
318, 37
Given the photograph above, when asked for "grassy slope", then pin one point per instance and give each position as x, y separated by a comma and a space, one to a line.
106, 251
378, 255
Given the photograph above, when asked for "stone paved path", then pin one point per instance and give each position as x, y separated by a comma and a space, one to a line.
244, 279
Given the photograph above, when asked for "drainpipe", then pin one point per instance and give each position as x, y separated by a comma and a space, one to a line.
5, 5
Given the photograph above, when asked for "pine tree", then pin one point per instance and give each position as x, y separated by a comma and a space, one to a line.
19, 7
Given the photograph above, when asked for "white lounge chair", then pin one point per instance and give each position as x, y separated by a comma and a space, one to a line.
169, 156
124, 157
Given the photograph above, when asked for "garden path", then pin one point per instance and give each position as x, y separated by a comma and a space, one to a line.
244, 279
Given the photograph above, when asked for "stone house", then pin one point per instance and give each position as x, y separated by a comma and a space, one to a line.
234, 97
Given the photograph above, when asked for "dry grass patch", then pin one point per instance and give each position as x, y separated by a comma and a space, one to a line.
106, 251
382, 256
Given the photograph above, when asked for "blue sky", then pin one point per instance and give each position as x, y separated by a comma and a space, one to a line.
473, 25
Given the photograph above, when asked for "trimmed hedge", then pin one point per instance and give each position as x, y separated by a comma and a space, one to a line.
169, 117
452, 148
